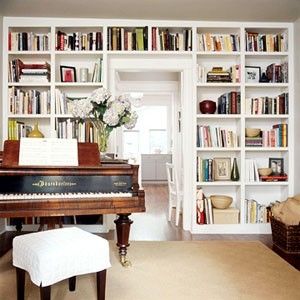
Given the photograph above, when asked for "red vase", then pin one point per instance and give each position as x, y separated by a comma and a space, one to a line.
207, 106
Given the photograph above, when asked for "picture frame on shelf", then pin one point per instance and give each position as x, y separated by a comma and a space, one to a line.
277, 165
222, 168
67, 74
252, 74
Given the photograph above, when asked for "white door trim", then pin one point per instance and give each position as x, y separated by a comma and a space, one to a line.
167, 64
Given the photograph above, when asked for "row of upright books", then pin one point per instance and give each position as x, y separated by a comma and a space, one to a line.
17, 129
277, 73
268, 105
229, 103
84, 132
256, 213
262, 42
78, 41
214, 136
97, 75
276, 137
28, 101
120, 38
28, 41
204, 211
251, 169
205, 168
218, 42
61, 103
18, 71
164, 40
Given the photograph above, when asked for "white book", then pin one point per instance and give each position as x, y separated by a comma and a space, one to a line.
256, 176
210, 211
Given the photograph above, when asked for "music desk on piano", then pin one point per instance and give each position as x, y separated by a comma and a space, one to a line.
91, 188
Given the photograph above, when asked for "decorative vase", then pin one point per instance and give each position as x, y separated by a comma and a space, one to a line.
235, 175
207, 106
264, 78
102, 138
35, 132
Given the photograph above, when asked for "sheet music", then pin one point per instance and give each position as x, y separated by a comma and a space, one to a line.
48, 152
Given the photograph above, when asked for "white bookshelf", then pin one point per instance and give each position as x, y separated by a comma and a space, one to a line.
264, 192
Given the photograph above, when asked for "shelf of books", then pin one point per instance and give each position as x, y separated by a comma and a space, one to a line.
243, 85
242, 82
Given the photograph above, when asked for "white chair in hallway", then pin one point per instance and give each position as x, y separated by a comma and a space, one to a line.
175, 195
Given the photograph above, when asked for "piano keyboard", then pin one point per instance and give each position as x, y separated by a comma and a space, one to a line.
46, 196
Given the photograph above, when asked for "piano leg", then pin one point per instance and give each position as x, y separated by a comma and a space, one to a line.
123, 228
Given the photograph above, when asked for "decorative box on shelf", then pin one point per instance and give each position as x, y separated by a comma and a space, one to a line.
226, 216
282, 177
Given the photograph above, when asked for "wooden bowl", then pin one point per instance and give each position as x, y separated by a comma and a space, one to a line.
220, 201
264, 171
252, 132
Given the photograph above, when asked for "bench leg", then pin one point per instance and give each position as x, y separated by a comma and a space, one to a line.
45, 292
20, 283
72, 284
101, 281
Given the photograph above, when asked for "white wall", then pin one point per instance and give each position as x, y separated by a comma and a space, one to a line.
1, 81
297, 106
2, 221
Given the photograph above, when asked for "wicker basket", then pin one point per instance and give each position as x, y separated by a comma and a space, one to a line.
286, 237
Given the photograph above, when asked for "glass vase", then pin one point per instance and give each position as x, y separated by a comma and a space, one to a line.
102, 138
235, 174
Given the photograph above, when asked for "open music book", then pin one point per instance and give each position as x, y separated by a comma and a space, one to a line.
48, 152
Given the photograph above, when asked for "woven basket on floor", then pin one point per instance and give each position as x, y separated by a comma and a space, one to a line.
286, 237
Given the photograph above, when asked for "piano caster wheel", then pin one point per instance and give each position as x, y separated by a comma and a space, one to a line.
124, 261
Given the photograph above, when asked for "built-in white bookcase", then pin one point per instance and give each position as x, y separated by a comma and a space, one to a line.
230, 45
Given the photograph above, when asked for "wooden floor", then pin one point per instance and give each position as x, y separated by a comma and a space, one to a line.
154, 226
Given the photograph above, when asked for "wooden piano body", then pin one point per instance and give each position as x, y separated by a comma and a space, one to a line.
90, 175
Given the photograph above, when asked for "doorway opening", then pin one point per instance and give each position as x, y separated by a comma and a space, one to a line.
151, 143
160, 77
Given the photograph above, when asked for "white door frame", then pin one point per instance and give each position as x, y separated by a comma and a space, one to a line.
183, 65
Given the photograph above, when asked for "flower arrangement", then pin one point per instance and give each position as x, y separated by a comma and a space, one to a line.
105, 113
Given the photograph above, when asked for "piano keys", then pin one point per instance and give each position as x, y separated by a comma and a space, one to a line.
89, 189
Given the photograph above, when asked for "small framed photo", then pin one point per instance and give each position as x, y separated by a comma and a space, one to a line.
252, 74
67, 74
276, 164
222, 168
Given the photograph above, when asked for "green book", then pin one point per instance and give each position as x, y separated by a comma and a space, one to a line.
139, 39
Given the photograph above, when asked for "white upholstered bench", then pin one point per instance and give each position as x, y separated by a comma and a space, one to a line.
53, 255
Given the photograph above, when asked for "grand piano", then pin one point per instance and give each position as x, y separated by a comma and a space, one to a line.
89, 189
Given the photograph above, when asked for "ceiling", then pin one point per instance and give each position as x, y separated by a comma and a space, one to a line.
213, 10
137, 76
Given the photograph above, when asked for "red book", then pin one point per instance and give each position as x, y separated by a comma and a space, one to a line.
9, 41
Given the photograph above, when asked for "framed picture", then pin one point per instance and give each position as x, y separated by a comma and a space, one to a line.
252, 74
67, 74
222, 168
276, 164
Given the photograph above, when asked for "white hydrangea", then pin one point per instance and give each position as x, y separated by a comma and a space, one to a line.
99, 95
125, 100
116, 112
118, 107
111, 117
132, 120
81, 108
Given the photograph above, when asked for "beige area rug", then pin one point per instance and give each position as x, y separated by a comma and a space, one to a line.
179, 270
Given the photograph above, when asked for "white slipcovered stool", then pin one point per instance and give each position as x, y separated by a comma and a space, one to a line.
53, 255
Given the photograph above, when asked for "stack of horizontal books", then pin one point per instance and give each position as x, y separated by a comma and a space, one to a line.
253, 141
217, 74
